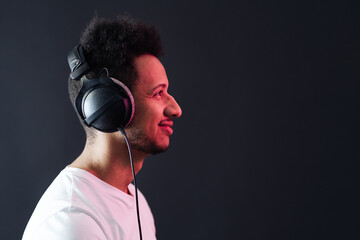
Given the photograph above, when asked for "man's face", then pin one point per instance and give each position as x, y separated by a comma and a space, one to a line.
155, 108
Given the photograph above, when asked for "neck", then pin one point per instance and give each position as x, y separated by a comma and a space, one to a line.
107, 158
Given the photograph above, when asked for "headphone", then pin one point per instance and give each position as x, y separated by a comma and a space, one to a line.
103, 103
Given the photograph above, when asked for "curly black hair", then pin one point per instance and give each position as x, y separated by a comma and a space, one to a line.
114, 44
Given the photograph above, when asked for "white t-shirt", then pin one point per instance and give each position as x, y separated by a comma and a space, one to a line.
78, 205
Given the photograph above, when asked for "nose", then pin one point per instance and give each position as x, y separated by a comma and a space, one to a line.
173, 109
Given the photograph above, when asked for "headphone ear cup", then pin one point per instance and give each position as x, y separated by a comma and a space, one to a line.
104, 109
105, 104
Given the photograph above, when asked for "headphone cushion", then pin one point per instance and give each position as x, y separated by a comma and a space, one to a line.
130, 97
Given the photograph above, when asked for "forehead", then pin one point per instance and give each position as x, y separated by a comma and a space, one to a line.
150, 72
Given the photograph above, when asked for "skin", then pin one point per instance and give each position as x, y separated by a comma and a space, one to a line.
106, 156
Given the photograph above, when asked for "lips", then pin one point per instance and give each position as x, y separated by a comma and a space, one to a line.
166, 126
166, 122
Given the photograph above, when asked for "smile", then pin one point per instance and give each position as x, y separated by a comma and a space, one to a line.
166, 126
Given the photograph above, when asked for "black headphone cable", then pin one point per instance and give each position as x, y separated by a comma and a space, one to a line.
133, 172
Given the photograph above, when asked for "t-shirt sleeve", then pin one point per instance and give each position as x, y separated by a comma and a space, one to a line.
69, 226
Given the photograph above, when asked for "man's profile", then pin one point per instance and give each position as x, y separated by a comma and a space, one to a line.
93, 197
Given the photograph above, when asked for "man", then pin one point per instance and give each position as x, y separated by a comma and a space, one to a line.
93, 197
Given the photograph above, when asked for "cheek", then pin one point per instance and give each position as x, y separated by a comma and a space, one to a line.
146, 119
141, 112
148, 115
151, 112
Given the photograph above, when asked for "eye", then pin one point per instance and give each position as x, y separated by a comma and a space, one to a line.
159, 93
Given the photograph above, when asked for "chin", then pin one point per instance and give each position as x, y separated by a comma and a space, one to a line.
151, 147
155, 149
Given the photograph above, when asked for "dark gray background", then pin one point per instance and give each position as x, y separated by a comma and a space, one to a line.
268, 144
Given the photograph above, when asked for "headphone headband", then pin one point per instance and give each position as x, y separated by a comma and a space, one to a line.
78, 65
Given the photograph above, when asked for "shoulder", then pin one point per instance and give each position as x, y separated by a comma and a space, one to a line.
65, 225
60, 214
